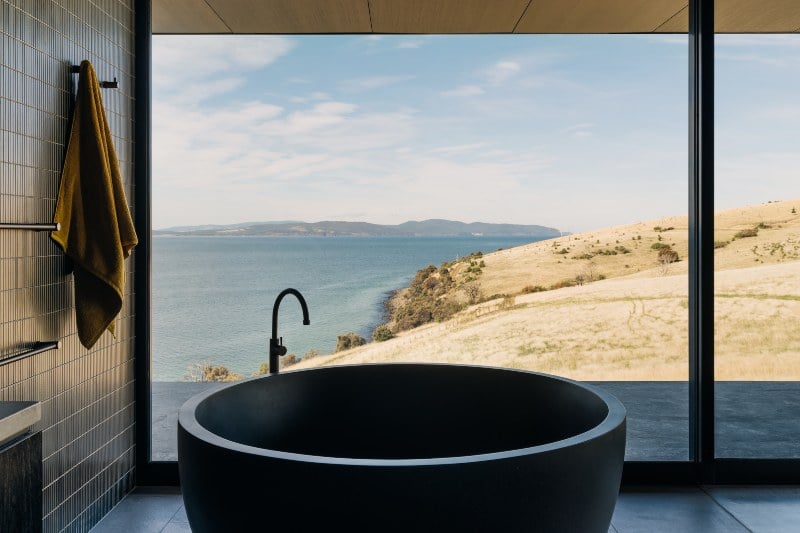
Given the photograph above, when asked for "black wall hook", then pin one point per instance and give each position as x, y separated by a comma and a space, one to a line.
75, 69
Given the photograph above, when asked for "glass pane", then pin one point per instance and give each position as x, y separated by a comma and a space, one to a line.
568, 151
757, 233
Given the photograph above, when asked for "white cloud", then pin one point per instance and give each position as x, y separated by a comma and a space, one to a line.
315, 96
412, 43
579, 131
670, 39
756, 177
464, 91
374, 82
760, 40
194, 68
501, 72
785, 112
459, 148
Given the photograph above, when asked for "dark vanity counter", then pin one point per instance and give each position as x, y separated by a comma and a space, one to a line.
20, 467
16, 418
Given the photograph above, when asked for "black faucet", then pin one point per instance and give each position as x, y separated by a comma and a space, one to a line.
276, 347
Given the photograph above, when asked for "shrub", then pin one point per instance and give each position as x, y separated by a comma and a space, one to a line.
622, 249
209, 372
507, 303
667, 256
310, 354
745, 233
472, 291
349, 340
382, 333
660, 246
527, 289
583, 256
444, 309
761, 225
721, 244
794, 211
563, 283
562, 251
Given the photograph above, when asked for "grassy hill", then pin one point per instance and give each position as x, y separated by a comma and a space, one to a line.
600, 305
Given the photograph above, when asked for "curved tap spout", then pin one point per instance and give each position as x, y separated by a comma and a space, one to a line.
276, 347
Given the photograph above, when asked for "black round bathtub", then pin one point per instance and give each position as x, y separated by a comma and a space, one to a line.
402, 447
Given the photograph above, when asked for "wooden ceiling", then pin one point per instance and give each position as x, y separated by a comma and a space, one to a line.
464, 16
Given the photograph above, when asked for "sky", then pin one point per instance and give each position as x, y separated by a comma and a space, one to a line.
569, 131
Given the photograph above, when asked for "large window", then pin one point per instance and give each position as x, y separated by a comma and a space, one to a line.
349, 168
757, 234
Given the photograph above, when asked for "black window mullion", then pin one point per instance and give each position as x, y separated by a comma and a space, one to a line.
701, 236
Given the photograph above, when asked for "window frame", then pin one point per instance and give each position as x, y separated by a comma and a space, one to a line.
702, 466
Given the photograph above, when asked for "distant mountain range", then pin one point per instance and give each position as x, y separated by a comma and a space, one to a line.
329, 228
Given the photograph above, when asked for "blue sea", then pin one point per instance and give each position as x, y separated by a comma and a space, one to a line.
213, 296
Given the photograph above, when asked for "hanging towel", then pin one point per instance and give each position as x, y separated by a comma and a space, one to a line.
96, 232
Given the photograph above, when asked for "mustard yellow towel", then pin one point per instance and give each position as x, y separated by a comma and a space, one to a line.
96, 228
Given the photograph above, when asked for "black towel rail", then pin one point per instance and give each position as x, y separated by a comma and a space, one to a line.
75, 69
38, 348
53, 226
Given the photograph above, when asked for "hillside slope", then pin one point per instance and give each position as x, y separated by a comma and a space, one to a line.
633, 324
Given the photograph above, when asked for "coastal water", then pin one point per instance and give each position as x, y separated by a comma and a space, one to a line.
213, 296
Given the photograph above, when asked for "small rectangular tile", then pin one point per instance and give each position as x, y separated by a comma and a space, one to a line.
147, 512
762, 509
668, 510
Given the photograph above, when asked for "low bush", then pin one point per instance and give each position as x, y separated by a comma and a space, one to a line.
745, 233
382, 333
667, 256
563, 283
209, 372
528, 289
660, 246
349, 340
721, 244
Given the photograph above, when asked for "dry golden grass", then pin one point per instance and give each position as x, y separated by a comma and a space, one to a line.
508, 271
633, 327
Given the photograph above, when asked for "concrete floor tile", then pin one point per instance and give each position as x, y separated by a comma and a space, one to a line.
177, 527
140, 513
762, 509
670, 510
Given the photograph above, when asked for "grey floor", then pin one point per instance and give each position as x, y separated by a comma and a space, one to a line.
725, 509
754, 419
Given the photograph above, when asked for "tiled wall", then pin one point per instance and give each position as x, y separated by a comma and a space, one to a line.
87, 396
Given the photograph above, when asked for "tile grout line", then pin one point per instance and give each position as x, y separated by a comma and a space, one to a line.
171, 518
702, 488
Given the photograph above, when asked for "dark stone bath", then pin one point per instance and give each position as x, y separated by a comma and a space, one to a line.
402, 447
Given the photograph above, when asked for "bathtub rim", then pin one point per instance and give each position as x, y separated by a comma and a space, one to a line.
188, 422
